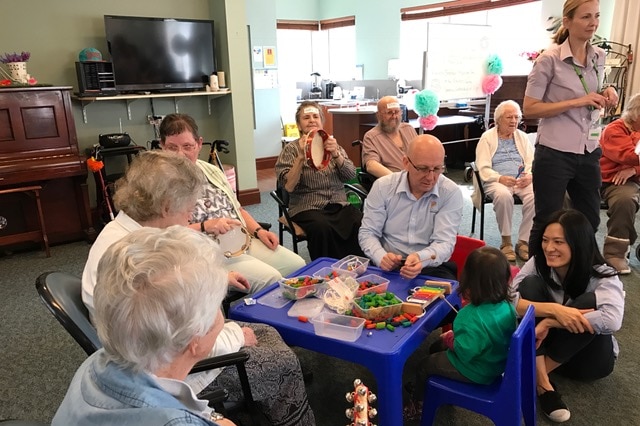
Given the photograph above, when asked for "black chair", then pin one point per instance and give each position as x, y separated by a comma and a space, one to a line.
358, 190
62, 295
281, 196
285, 223
365, 178
485, 200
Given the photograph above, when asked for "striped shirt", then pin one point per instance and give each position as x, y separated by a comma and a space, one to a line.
316, 188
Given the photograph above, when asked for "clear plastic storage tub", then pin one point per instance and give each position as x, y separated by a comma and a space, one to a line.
341, 327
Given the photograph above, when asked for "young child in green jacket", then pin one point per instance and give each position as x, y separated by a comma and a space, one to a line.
476, 350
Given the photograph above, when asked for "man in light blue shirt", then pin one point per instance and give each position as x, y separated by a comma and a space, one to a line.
411, 218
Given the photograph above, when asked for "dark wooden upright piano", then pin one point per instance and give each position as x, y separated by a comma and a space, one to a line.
39, 146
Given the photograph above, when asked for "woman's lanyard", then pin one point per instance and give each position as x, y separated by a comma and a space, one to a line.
595, 131
582, 80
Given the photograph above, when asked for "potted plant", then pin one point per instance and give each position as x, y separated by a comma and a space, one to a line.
17, 65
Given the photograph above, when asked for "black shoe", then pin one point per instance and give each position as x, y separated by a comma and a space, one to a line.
553, 407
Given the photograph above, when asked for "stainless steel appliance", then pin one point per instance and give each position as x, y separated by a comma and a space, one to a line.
316, 91
328, 89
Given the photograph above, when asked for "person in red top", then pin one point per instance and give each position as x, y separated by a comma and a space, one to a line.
620, 170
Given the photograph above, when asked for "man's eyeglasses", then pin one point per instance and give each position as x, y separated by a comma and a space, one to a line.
426, 170
183, 148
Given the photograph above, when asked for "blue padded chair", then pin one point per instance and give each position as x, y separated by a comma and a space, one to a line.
506, 400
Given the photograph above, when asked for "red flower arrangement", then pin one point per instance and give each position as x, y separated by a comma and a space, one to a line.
531, 56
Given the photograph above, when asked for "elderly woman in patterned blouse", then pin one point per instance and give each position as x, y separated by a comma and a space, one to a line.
318, 203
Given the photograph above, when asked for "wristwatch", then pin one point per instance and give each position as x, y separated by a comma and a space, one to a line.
258, 229
216, 416
202, 229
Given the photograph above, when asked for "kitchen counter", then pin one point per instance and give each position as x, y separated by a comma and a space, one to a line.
370, 109
339, 103
347, 128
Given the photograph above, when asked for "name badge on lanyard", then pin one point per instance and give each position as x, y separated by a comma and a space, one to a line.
595, 130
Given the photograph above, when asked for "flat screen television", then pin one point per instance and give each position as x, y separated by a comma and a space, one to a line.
160, 54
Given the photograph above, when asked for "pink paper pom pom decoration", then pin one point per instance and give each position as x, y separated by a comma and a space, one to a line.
491, 83
426, 103
429, 122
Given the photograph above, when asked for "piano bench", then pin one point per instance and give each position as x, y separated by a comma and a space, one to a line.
29, 235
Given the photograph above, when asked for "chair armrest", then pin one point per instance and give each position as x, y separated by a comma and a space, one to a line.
214, 396
265, 225
283, 208
219, 361
357, 189
276, 197
476, 174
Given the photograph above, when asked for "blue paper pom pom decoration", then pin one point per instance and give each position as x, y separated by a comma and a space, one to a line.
426, 103
494, 65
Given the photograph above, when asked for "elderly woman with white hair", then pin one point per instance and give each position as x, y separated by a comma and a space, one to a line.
157, 314
503, 157
620, 170
160, 189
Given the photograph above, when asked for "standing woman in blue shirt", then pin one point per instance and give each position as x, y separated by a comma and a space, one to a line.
565, 90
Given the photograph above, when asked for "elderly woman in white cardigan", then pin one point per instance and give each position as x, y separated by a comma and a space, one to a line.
503, 157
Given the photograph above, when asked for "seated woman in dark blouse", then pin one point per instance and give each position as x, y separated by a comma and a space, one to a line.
318, 202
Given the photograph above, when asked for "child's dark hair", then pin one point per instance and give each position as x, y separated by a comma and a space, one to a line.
485, 277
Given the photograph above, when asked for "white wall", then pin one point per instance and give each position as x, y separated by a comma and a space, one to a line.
261, 17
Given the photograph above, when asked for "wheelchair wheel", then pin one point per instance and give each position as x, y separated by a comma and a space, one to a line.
638, 252
468, 174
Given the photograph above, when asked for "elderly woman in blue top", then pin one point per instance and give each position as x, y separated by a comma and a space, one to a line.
411, 218
157, 310
317, 202
565, 90
579, 302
